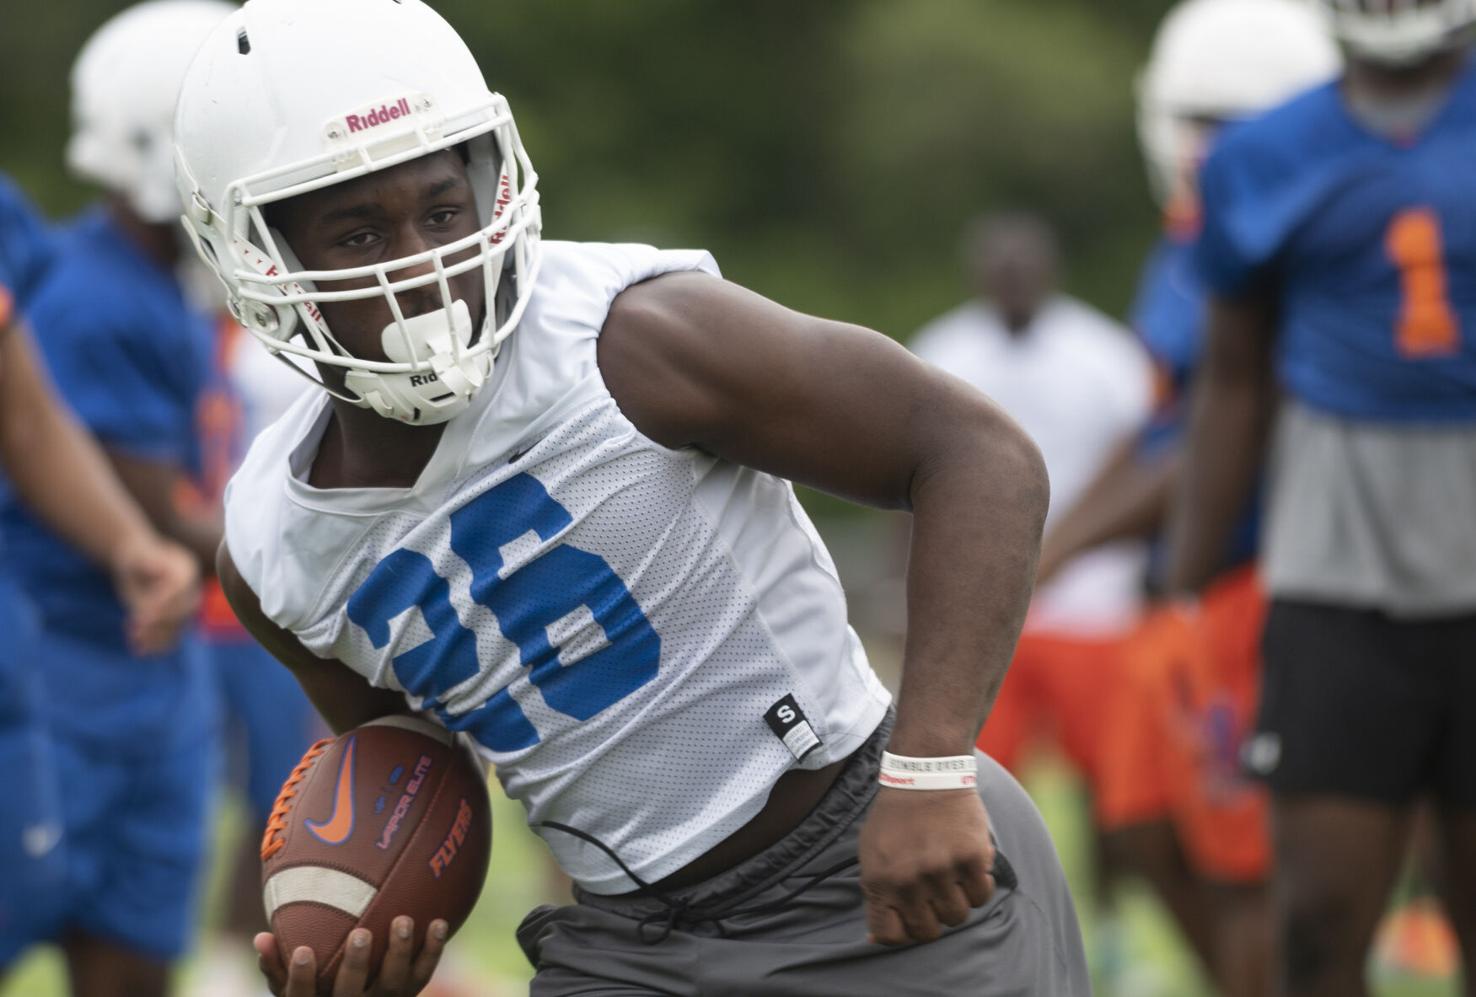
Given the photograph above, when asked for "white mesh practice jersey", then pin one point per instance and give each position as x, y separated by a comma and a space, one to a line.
642, 640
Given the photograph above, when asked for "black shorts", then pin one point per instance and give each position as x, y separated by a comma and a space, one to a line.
1355, 703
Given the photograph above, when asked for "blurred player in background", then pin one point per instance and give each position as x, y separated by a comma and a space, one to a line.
569, 555
1187, 817
32, 863
1079, 385
55, 469
1339, 250
269, 721
134, 735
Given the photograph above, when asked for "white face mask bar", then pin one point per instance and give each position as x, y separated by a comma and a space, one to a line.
433, 367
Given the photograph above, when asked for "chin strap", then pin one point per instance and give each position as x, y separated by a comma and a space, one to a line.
424, 398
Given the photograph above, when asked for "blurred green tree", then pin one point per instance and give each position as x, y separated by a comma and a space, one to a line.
827, 151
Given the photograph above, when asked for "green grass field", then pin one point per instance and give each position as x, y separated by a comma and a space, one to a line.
487, 959
1156, 965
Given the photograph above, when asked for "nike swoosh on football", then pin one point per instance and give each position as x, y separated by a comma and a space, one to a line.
340, 824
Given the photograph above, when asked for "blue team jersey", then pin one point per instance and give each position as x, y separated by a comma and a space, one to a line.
1168, 315
130, 357
25, 251
1168, 312
1368, 247
25, 244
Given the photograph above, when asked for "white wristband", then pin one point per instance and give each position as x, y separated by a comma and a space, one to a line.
950, 772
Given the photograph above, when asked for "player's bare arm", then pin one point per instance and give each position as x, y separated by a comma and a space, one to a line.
62, 473
1234, 401
341, 697
1128, 501
701, 362
345, 701
155, 485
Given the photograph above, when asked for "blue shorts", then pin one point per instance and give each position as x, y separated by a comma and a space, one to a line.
269, 712
132, 849
127, 783
32, 852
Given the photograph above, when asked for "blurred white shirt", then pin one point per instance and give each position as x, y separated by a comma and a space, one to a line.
1080, 385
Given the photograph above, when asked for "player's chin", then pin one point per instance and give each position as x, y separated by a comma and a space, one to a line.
358, 327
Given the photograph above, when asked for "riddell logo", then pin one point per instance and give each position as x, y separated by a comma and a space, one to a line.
383, 114
416, 380
504, 198
446, 854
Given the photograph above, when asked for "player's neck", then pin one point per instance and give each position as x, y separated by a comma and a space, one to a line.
361, 449
1372, 83
1017, 322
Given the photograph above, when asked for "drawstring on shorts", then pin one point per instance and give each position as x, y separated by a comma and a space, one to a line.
683, 915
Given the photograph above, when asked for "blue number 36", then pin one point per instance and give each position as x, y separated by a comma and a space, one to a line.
526, 602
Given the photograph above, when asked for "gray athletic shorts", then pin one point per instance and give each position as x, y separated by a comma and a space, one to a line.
743, 933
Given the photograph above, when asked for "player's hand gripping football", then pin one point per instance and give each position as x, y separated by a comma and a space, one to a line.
403, 973
159, 583
926, 861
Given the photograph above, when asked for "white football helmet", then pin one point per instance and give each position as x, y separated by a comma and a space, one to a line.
1215, 61
1398, 32
124, 85
291, 96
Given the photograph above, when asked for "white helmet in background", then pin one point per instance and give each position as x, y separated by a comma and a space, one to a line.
1215, 61
291, 96
124, 85
1398, 32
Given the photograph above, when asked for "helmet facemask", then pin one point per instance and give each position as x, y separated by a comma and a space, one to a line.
435, 360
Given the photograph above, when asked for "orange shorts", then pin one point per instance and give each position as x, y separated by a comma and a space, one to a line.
1186, 704
1054, 692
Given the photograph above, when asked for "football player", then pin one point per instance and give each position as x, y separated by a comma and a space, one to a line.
268, 721
133, 734
1338, 241
541, 499
1079, 385
1182, 813
54, 467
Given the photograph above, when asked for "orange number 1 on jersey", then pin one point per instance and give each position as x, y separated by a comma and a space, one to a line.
1427, 326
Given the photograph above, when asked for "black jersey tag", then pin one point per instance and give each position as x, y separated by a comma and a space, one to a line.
788, 722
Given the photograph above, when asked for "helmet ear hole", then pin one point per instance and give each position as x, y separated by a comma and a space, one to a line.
484, 170
284, 249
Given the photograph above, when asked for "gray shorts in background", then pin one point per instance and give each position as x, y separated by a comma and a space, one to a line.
1024, 943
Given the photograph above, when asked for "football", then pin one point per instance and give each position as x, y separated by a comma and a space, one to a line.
388, 819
